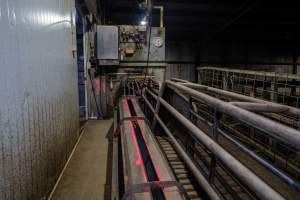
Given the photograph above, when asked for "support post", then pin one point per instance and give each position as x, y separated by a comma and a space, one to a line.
161, 92
213, 162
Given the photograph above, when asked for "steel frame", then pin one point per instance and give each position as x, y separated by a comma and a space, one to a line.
275, 87
251, 180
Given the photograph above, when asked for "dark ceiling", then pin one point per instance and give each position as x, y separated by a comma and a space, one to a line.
215, 19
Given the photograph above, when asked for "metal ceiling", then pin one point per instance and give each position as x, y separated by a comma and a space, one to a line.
226, 19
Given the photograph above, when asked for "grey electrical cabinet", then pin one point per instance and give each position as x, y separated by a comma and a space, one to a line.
134, 44
107, 45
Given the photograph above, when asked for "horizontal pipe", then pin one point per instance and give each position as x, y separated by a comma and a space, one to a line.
180, 94
284, 133
264, 163
198, 175
290, 110
179, 80
260, 107
201, 119
261, 189
267, 165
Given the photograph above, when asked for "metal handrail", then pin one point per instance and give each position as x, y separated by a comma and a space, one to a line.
284, 133
261, 73
262, 190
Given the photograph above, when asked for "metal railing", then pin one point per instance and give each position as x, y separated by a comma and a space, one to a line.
288, 135
272, 86
250, 179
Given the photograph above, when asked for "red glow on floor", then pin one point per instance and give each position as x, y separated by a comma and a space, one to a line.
139, 161
159, 175
127, 108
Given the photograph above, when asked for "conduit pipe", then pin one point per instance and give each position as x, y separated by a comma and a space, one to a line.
161, 13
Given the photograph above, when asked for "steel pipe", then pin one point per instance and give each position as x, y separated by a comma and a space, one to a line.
198, 175
261, 189
267, 165
180, 80
284, 133
290, 110
259, 107
264, 163
161, 91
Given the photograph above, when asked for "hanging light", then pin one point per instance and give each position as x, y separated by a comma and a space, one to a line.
144, 21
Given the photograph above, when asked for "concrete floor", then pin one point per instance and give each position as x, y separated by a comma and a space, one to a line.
85, 175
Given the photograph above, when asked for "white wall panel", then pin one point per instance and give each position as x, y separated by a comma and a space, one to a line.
38, 95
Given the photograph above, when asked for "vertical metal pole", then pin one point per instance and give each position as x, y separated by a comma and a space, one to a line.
161, 92
191, 143
213, 162
254, 86
274, 90
132, 88
264, 87
225, 81
124, 86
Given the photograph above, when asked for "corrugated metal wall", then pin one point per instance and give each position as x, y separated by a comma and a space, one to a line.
38, 95
254, 55
181, 58
183, 71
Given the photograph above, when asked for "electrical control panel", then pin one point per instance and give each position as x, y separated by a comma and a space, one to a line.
107, 45
130, 44
134, 44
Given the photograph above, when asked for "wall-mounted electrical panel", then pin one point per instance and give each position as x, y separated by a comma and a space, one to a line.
129, 45
134, 44
107, 45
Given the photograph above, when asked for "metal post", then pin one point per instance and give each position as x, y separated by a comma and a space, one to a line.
194, 169
250, 153
161, 92
274, 90
258, 186
213, 163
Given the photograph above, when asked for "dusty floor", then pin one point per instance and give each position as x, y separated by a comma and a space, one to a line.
85, 175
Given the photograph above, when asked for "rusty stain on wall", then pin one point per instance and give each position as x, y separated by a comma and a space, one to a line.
39, 117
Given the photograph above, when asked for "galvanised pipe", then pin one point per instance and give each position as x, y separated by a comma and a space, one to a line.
284, 133
267, 165
264, 163
259, 107
261, 189
161, 91
290, 110
198, 175
180, 80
